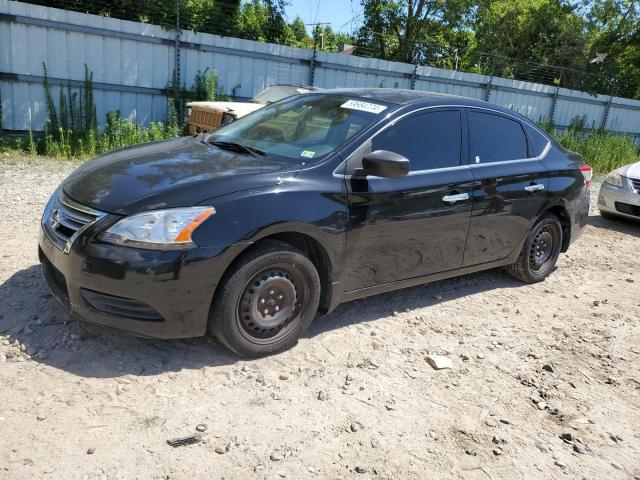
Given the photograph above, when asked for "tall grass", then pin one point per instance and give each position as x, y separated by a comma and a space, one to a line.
71, 128
118, 132
604, 151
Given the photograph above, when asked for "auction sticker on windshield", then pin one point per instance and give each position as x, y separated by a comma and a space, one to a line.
363, 106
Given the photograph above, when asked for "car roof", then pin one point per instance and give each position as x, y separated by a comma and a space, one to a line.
403, 97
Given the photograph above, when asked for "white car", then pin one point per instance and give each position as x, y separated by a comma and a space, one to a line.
226, 112
620, 193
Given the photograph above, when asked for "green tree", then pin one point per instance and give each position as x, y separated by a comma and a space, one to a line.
251, 20
211, 16
299, 33
613, 45
263, 20
518, 38
414, 31
327, 39
276, 28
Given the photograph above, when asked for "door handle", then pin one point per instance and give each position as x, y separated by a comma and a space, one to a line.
536, 187
455, 198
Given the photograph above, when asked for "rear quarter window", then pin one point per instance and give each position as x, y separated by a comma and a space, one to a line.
537, 140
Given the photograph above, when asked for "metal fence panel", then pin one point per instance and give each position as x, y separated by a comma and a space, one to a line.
532, 100
339, 71
623, 119
133, 63
242, 64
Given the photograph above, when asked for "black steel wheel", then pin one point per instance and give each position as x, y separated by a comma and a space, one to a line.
540, 251
270, 306
267, 301
541, 248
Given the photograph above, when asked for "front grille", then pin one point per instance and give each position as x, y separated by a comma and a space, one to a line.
120, 306
64, 219
55, 279
635, 185
628, 209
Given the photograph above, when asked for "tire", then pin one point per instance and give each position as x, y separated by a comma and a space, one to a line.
267, 300
540, 251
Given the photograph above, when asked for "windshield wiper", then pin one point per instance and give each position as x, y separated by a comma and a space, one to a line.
238, 147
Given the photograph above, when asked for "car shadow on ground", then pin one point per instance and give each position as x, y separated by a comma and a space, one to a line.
618, 224
32, 316
50, 335
373, 308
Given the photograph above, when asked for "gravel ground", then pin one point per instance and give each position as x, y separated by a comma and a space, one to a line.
355, 399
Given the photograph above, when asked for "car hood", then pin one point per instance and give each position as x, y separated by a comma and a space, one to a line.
630, 171
171, 173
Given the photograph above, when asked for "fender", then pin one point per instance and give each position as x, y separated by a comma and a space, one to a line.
243, 218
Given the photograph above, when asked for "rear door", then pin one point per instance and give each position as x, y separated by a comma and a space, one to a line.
508, 189
402, 228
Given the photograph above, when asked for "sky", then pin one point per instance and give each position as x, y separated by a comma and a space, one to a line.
343, 15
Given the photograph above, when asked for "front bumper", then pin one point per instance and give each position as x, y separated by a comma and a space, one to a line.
150, 293
619, 201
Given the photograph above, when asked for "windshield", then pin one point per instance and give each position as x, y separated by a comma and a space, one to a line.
278, 92
304, 127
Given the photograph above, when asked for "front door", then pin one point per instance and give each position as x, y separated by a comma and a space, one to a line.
407, 227
509, 186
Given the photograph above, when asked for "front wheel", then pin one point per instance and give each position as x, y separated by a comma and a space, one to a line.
267, 301
540, 251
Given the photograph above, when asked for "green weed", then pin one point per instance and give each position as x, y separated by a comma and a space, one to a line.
603, 151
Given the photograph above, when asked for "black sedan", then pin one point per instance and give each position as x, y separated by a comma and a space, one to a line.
315, 200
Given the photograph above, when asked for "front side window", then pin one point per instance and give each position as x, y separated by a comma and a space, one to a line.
429, 140
304, 127
495, 138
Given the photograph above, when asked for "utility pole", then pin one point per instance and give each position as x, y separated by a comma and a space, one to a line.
312, 73
176, 70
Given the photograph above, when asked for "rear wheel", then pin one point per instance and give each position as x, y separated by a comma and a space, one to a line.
267, 301
540, 251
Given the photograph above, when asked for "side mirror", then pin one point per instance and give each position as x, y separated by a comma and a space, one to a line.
383, 163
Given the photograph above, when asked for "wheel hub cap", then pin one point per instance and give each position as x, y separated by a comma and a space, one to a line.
269, 302
541, 248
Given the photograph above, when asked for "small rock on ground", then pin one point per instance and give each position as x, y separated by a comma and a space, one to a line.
276, 456
439, 362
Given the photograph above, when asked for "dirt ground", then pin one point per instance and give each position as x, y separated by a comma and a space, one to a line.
355, 399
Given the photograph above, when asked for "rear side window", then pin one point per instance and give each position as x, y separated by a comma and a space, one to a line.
537, 141
429, 140
495, 138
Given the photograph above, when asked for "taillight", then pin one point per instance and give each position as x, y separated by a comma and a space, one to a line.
587, 173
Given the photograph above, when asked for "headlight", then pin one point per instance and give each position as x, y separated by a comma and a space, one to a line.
160, 229
614, 179
227, 118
